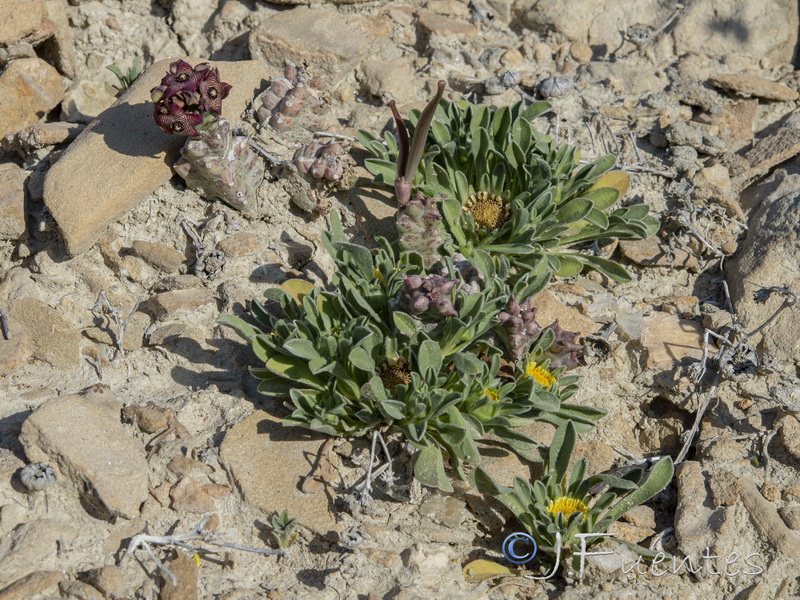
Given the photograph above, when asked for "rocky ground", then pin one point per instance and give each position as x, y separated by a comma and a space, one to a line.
115, 374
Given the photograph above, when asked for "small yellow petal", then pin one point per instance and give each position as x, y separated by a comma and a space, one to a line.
196, 559
542, 376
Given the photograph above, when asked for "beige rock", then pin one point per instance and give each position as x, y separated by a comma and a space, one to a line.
580, 51
9, 463
34, 585
167, 303
168, 332
550, 309
185, 466
651, 253
12, 202
736, 123
55, 341
767, 153
332, 42
16, 350
148, 417
791, 516
84, 100
721, 28
768, 521
641, 516
188, 495
243, 243
691, 514
753, 85
724, 487
61, 43
269, 462
186, 573
30, 88
30, 547
160, 256
669, 339
388, 80
79, 591
19, 19
41, 135
123, 156
57, 433
108, 580
769, 255
790, 434
434, 24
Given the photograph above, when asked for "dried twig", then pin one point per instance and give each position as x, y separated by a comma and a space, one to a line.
335, 136
145, 541
701, 411
116, 315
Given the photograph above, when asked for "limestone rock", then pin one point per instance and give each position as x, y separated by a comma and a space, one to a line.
692, 515
389, 80
769, 255
41, 135
19, 19
55, 341
186, 575
435, 24
651, 253
243, 243
67, 431
719, 28
159, 256
550, 309
123, 156
84, 100
269, 462
12, 202
33, 585
669, 339
30, 88
331, 42
169, 302
753, 85
31, 546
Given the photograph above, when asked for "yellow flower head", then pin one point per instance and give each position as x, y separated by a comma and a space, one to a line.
394, 375
566, 506
492, 394
542, 376
488, 210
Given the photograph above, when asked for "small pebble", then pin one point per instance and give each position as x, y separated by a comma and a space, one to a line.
555, 87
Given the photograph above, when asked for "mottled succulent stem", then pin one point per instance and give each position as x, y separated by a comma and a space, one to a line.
221, 166
419, 225
409, 157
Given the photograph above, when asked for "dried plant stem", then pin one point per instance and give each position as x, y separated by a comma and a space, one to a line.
697, 419
199, 532
118, 321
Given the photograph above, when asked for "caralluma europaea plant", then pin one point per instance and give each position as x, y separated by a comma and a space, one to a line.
506, 190
215, 162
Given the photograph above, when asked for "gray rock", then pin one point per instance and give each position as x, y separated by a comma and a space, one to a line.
92, 451
689, 133
769, 256
123, 156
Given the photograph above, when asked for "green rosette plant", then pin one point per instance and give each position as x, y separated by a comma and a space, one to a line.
557, 507
381, 351
505, 189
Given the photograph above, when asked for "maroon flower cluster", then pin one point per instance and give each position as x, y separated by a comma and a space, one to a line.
186, 95
519, 326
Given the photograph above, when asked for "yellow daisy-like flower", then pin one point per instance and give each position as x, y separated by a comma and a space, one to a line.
488, 210
492, 394
542, 376
566, 506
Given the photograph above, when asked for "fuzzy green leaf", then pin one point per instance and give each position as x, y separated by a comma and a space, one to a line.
429, 469
429, 357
